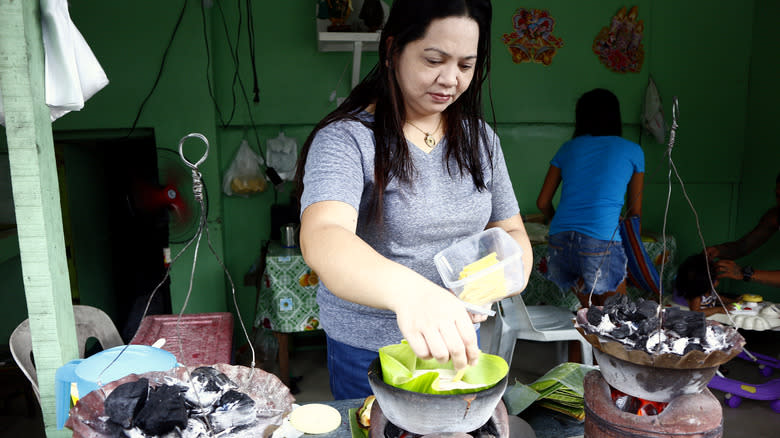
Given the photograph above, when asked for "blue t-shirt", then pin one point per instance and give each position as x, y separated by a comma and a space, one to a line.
595, 173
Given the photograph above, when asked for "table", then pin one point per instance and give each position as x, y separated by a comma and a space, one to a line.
206, 338
545, 423
540, 290
287, 299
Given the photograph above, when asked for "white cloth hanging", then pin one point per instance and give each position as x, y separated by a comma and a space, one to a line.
653, 115
72, 72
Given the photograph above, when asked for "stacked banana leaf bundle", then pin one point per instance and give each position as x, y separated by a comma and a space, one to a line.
560, 390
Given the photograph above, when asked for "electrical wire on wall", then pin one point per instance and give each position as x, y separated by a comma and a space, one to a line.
160, 71
250, 26
271, 173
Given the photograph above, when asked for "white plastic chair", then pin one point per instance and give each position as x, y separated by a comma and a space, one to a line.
91, 322
515, 320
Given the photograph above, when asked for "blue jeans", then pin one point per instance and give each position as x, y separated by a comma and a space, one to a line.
348, 369
573, 255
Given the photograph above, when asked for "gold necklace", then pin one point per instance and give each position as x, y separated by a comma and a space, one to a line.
429, 139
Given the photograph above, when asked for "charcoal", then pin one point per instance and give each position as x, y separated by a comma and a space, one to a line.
647, 326
630, 308
620, 332
125, 401
207, 387
594, 315
627, 403
196, 428
164, 410
617, 300
696, 324
646, 309
691, 347
235, 409
674, 319
214, 379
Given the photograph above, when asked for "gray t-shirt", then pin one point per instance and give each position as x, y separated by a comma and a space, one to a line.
420, 220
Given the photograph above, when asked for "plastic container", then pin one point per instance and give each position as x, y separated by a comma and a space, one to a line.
506, 275
104, 367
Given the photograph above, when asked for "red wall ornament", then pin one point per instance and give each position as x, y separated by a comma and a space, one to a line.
532, 40
619, 46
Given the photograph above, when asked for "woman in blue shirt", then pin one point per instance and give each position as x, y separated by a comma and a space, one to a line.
597, 168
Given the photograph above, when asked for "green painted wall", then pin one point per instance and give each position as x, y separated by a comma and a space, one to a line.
725, 152
761, 154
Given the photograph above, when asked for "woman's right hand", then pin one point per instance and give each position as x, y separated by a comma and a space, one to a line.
436, 325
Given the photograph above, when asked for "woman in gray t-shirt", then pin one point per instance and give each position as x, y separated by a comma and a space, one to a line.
399, 171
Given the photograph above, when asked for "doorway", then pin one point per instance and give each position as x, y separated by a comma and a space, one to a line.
114, 247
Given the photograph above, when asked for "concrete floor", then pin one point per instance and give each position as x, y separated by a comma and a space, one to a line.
531, 360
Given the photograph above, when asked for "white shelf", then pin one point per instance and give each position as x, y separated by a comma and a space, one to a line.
355, 42
345, 41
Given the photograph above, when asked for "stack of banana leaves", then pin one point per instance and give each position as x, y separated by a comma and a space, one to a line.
560, 389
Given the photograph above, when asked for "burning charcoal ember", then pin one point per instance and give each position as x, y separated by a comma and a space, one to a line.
207, 387
594, 315
164, 410
627, 403
126, 401
235, 409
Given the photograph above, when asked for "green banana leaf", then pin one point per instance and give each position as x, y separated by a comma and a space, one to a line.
399, 364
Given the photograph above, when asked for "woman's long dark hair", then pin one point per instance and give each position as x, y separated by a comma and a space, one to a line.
408, 21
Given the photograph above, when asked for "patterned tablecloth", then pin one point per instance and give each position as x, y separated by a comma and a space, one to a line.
287, 299
543, 291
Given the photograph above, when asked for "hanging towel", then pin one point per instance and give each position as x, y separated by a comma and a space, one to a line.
72, 73
641, 270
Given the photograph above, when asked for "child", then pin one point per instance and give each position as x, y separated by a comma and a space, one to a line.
693, 284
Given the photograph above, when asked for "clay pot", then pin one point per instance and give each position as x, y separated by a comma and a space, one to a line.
430, 413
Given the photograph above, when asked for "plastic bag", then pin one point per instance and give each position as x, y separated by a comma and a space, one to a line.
282, 155
653, 116
244, 177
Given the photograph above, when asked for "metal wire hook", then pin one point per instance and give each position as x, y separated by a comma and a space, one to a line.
205, 153
673, 130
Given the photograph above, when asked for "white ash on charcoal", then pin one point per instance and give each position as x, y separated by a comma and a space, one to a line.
209, 406
636, 325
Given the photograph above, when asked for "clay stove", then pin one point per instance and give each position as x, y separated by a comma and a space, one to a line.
691, 415
496, 426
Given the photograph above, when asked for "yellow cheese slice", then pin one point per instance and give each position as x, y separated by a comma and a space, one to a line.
487, 289
315, 418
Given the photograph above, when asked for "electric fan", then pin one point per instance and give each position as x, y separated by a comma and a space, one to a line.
171, 194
